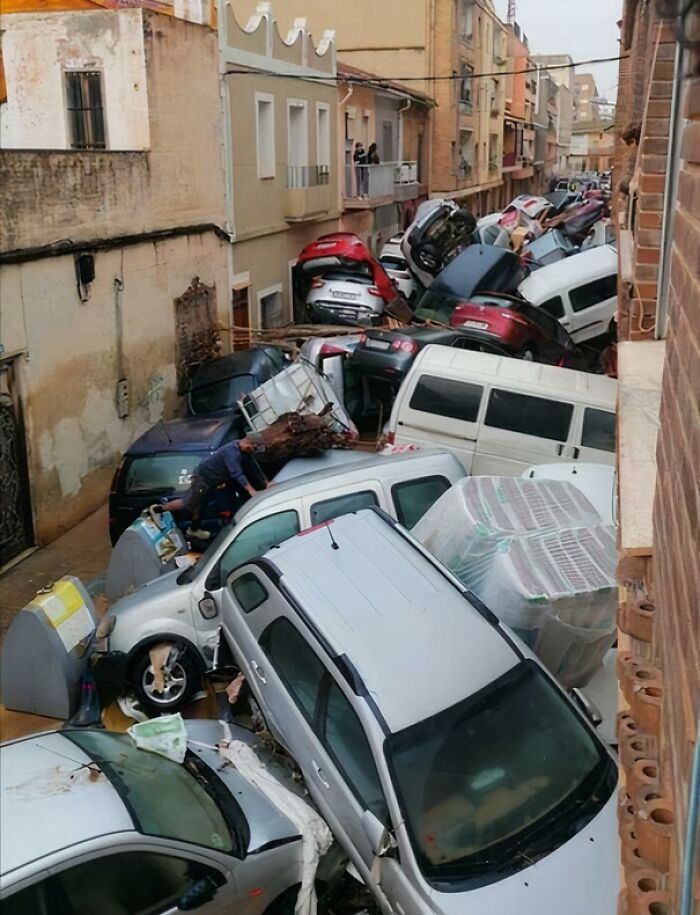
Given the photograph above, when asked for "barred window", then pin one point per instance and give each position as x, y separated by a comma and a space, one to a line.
85, 111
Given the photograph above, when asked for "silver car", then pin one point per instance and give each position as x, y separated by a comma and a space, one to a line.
452, 769
344, 298
185, 607
92, 824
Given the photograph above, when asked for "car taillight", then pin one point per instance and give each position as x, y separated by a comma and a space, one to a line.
405, 346
363, 338
391, 438
115, 477
374, 291
317, 284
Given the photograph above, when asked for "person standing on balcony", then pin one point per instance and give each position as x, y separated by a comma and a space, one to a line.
372, 155
361, 177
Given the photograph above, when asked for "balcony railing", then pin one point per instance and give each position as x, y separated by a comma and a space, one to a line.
393, 180
300, 176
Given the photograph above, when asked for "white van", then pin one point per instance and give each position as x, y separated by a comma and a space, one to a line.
580, 291
500, 415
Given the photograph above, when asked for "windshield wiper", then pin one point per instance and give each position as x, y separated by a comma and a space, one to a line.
222, 798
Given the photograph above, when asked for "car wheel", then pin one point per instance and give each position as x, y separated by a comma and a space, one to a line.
182, 680
528, 353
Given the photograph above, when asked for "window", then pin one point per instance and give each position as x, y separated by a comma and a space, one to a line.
493, 102
140, 883
249, 592
529, 415
413, 498
160, 472
598, 430
265, 129
294, 660
346, 742
445, 397
257, 539
86, 120
465, 85
594, 293
323, 135
554, 306
271, 307
297, 134
342, 505
466, 21
466, 153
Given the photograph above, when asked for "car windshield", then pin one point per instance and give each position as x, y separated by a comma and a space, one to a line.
160, 472
392, 262
498, 780
187, 802
436, 306
220, 395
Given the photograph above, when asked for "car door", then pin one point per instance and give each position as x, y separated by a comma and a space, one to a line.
592, 307
441, 412
137, 883
522, 429
595, 436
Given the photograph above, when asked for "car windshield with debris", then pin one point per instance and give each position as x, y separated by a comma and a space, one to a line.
196, 807
499, 780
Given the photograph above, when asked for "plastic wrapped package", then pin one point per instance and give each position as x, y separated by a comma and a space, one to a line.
464, 528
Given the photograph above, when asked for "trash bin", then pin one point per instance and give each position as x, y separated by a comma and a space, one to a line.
45, 651
146, 550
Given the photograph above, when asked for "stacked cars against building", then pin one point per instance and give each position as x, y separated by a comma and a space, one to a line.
286, 595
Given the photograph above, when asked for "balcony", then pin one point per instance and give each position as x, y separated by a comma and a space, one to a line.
368, 186
308, 194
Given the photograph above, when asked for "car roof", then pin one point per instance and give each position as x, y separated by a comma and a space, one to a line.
360, 470
597, 390
243, 362
372, 595
48, 802
477, 267
577, 268
191, 433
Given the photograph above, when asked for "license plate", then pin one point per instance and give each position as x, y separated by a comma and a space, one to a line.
377, 344
344, 295
477, 325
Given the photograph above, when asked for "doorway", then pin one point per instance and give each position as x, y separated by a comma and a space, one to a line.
16, 533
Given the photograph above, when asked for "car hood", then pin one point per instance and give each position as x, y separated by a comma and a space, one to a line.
580, 877
164, 587
266, 821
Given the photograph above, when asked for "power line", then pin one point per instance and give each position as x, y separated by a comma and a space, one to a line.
383, 80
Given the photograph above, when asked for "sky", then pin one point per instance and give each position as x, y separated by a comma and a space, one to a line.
581, 28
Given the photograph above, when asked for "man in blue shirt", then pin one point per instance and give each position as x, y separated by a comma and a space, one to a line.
222, 467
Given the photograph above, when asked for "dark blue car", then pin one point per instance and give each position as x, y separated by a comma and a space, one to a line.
160, 463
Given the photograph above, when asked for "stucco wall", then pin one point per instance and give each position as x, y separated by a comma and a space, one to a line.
38, 49
69, 374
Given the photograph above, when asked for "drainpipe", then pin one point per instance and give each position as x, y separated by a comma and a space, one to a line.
670, 193
227, 154
346, 96
691, 833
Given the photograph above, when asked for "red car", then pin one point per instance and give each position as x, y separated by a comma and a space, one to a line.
527, 331
345, 251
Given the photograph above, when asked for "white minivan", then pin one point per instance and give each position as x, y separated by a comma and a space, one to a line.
580, 291
500, 415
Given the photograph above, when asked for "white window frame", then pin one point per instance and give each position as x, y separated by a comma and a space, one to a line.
262, 293
320, 159
267, 165
304, 105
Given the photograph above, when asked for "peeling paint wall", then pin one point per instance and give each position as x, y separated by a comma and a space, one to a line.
38, 49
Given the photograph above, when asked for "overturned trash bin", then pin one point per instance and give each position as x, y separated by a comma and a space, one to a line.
45, 651
146, 550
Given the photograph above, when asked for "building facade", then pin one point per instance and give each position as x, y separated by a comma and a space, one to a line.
520, 112
592, 146
561, 74
586, 107
113, 269
657, 161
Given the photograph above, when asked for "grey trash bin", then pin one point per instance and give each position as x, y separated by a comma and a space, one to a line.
45, 651
146, 550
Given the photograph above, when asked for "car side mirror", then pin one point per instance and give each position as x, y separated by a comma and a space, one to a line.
200, 893
588, 708
380, 839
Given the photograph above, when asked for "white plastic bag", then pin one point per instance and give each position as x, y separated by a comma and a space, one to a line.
166, 736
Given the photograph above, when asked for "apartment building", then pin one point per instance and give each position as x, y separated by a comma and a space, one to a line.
113, 268
518, 124
561, 73
439, 49
280, 151
380, 198
586, 107
592, 146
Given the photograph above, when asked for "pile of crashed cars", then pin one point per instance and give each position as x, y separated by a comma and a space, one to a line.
412, 652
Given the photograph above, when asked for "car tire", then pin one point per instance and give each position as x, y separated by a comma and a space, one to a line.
183, 683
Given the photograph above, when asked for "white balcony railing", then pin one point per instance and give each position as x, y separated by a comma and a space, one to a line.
301, 176
382, 180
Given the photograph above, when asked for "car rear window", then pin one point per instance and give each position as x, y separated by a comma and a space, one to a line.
160, 472
554, 306
413, 498
342, 505
436, 306
598, 430
446, 397
593, 293
529, 415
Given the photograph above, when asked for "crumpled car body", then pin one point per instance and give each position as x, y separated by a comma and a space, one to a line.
346, 251
438, 234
